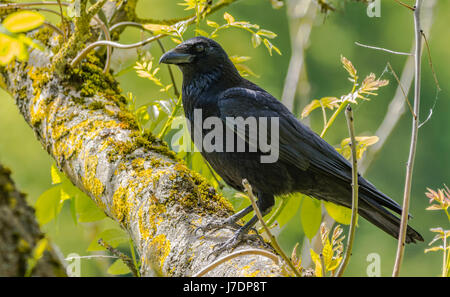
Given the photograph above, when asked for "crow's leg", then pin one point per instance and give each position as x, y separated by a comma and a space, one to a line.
230, 222
265, 203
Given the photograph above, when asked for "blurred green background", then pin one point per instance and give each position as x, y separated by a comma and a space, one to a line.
331, 37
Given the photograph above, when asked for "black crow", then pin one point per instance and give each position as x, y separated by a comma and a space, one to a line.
213, 88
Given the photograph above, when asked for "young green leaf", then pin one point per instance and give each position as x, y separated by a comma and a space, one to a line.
290, 209
212, 24
87, 210
311, 216
256, 40
23, 21
267, 33
118, 268
228, 17
340, 214
55, 174
48, 205
325, 102
363, 142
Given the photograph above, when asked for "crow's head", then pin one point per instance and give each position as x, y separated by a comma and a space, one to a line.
199, 55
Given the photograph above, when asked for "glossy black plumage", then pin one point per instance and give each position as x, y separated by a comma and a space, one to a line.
306, 163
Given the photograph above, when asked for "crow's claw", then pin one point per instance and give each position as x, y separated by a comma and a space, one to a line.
216, 225
239, 237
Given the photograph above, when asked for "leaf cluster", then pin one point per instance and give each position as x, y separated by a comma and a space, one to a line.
13, 42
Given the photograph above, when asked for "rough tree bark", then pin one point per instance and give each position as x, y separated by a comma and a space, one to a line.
20, 234
81, 119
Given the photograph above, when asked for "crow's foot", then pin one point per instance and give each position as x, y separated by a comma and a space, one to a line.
216, 225
240, 236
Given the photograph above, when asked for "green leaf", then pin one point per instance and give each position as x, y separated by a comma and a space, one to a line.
363, 142
202, 32
48, 205
113, 237
87, 210
340, 214
266, 33
256, 40
311, 216
55, 174
118, 268
327, 254
228, 17
290, 209
29, 42
317, 263
11, 48
23, 21
212, 24
271, 47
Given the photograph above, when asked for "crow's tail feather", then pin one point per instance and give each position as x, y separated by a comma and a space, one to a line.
385, 220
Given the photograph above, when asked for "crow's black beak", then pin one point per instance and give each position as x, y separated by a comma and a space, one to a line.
174, 57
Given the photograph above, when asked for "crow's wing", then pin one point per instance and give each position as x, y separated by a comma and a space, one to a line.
298, 145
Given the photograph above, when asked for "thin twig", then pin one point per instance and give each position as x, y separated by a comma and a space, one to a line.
272, 238
383, 49
396, 107
125, 259
405, 5
93, 45
354, 217
91, 257
24, 4
171, 117
216, 263
140, 26
430, 61
57, 30
63, 20
403, 90
108, 38
413, 146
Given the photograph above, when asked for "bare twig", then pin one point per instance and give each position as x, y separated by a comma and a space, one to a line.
125, 259
430, 61
404, 5
108, 38
272, 238
93, 45
57, 30
402, 89
63, 20
25, 4
354, 217
412, 150
383, 49
396, 107
140, 26
224, 259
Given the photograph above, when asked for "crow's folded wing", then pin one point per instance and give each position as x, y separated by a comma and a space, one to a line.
298, 144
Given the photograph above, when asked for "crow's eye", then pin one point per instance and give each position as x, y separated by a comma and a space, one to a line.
199, 48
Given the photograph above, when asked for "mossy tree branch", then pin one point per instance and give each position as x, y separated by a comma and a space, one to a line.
82, 121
